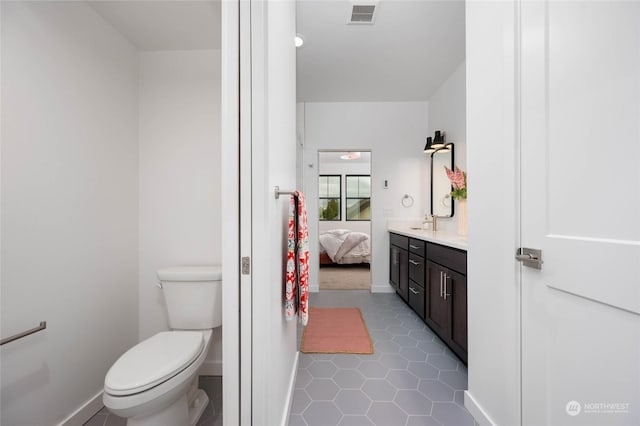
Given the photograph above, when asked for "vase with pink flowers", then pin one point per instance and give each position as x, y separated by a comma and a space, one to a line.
458, 180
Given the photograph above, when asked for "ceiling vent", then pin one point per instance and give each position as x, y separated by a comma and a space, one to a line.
362, 14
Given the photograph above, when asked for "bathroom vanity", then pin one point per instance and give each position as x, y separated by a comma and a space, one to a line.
429, 272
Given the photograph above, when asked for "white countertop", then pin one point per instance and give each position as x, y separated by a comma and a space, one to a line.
439, 237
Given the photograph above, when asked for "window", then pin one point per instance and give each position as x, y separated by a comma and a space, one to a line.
329, 196
358, 197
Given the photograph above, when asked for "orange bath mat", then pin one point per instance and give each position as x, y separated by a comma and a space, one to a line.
336, 331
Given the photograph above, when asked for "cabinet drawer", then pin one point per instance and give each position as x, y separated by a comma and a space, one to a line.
449, 257
418, 247
416, 298
416, 269
399, 241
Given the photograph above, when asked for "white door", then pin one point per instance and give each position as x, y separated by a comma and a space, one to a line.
268, 356
580, 171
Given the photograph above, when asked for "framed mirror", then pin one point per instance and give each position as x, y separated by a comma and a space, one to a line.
441, 202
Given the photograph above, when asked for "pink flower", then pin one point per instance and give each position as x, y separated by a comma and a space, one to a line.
458, 178
458, 183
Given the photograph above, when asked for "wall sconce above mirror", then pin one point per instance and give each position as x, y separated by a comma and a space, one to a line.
442, 154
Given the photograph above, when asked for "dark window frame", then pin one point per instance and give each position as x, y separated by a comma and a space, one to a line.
339, 198
346, 197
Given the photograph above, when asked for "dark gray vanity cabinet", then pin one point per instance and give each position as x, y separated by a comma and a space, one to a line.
446, 305
432, 279
399, 265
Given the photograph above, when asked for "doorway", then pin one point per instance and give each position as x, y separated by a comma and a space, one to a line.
344, 220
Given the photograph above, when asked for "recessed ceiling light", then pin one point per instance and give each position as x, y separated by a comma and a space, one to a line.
299, 40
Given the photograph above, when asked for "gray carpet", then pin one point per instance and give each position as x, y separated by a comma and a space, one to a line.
344, 277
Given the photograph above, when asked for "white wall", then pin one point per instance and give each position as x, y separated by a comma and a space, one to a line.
180, 186
394, 132
493, 280
447, 112
344, 168
69, 206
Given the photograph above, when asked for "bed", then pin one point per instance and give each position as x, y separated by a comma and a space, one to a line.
344, 247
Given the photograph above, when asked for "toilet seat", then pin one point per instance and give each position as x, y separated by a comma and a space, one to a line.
153, 361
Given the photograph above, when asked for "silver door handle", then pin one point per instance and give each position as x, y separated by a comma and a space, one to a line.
440, 283
413, 262
413, 247
530, 257
413, 291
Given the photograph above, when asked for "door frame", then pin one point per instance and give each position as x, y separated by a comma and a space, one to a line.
343, 202
236, 407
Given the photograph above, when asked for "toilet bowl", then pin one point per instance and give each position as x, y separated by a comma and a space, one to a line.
156, 381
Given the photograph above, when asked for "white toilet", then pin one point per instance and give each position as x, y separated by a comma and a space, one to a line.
156, 381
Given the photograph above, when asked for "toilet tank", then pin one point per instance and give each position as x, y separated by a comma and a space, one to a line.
193, 296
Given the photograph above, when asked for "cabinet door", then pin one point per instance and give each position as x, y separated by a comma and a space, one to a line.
438, 312
394, 267
403, 280
456, 290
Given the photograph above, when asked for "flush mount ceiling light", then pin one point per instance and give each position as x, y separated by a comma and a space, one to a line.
350, 156
299, 40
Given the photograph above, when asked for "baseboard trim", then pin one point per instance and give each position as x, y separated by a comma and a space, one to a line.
384, 288
85, 412
211, 368
292, 386
476, 410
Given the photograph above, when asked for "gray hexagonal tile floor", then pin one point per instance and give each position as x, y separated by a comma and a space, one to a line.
411, 379
212, 415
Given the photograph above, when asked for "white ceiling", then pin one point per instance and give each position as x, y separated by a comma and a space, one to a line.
412, 47
408, 52
164, 25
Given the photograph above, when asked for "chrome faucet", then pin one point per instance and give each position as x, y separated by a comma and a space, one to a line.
433, 220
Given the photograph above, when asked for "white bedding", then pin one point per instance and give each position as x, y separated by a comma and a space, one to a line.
346, 247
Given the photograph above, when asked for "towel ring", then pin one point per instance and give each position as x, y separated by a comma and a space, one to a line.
407, 200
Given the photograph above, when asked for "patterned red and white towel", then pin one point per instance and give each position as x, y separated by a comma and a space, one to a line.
297, 274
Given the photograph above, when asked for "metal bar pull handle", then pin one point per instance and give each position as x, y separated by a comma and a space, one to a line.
413, 247
441, 283
42, 326
445, 286
413, 262
413, 290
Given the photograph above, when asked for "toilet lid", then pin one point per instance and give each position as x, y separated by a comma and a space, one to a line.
153, 361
